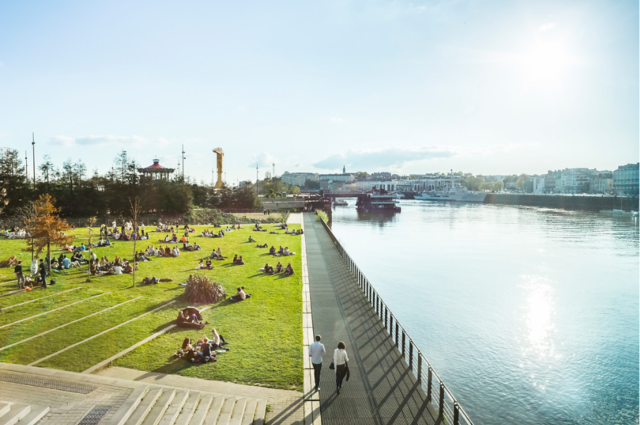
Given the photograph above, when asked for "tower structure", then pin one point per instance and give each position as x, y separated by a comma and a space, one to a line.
219, 156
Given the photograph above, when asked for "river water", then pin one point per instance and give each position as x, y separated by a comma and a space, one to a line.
530, 316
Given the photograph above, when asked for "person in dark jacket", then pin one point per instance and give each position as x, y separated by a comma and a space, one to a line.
43, 274
18, 271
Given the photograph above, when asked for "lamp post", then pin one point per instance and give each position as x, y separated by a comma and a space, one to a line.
33, 145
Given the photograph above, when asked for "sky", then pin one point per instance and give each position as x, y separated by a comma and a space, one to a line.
491, 87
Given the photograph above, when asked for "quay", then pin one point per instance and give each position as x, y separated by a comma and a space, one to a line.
382, 388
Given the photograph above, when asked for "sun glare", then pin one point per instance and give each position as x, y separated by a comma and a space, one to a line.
546, 62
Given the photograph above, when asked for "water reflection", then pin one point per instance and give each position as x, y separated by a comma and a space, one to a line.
539, 316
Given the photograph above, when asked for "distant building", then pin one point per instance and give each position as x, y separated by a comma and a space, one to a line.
338, 177
602, 183
537, 184
575, 180
625, 180
299, 179
156, 171
381, 176
550, 181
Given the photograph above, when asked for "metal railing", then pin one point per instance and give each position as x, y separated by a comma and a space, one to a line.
438, 395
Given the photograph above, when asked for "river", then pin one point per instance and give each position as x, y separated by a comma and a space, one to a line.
530, 316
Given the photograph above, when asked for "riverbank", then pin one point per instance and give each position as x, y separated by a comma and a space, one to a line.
565, 202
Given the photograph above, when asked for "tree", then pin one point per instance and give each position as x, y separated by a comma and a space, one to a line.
91, 221
13, 179
294, 189
498, 187
46, 227
473, 183
521, 181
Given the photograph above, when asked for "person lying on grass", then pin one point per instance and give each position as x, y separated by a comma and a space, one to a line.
262, 246
154, 280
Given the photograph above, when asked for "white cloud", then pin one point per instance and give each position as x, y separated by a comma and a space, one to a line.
546, 27
381, 158
336, 120
263, 160
131, 142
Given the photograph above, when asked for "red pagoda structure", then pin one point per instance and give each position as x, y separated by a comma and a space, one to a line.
156, 171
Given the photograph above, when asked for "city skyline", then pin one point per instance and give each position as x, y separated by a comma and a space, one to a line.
402, 87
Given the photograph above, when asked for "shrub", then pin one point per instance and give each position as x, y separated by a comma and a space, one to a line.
202, 290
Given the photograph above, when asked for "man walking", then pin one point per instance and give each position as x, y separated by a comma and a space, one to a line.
316, 351
18, 271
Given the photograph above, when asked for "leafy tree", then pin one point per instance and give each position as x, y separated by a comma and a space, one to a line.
294, 189
13, 180
473, 183
521, 181
46, 227
498, 187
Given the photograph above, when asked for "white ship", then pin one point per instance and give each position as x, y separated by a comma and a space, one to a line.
455, 194
340, 202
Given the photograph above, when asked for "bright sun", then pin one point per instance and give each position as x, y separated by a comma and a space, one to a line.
546, 62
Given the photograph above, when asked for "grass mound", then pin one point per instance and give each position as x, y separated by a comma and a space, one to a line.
202, 290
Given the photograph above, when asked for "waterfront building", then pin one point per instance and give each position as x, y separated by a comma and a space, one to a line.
575, 180
550, 181
338, 177
602, 183
299, 179
625, 180
538, 183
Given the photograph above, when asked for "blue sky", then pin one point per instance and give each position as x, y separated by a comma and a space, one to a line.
484, 87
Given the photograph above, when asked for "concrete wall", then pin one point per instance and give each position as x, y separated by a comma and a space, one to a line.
282, 203
586, 203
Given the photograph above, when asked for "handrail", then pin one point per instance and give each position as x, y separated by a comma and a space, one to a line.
440, 397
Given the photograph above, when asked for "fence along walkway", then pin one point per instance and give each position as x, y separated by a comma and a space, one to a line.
382, 389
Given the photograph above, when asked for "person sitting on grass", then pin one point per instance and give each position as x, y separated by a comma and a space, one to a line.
175, 252
267, 269
239, 296
256, 228
251, 239
196, 247
289, 270
208, 265
200, 265
116, 261
187, 351
272, 250
167, 252
218, 341
238, 261
174, 238
233, 227
286, 252
281, 250
185, 321
279, 267
117, 269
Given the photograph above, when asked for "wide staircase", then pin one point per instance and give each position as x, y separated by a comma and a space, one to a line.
21, 414
166, 406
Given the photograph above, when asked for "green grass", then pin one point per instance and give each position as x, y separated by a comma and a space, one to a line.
265, 331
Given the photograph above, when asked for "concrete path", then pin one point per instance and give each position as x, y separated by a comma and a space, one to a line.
381, 389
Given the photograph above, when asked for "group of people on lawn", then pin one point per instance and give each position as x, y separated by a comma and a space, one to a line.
106, 267
288, 271
282, 251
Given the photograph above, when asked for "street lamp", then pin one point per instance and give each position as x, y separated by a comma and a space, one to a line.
33, 145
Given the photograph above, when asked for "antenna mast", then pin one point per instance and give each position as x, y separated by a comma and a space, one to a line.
33, 145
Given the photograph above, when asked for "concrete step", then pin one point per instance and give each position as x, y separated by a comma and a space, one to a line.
238, 412
161, 406
188, 409
249, 412
261, 412
214, 411
16, 412
202, 410
144, 407
227, 409
171, 415
37, 413
129, 406
5, 407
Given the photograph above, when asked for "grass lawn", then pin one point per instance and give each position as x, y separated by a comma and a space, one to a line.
264, 332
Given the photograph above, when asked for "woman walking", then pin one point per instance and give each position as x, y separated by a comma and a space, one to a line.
340, 360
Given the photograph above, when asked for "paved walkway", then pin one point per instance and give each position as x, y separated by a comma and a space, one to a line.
382, 389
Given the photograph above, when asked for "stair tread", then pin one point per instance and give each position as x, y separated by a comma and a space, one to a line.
249, 412
261, 411
225, 413
188, 409
160, 406
37, 413
171, 415
5, 407
17, 412
214, 410
144, 407
202, 410
238, 412
129, 406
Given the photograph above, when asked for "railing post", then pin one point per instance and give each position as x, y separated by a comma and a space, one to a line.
419, 369
429, 378
397, 332
386, 317
456, 413
410, 355
441, 400
403, 341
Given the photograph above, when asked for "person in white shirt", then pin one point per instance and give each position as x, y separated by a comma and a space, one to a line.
117, 270
340, 360
316, 351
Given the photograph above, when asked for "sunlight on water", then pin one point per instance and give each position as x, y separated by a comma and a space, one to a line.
529, 315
